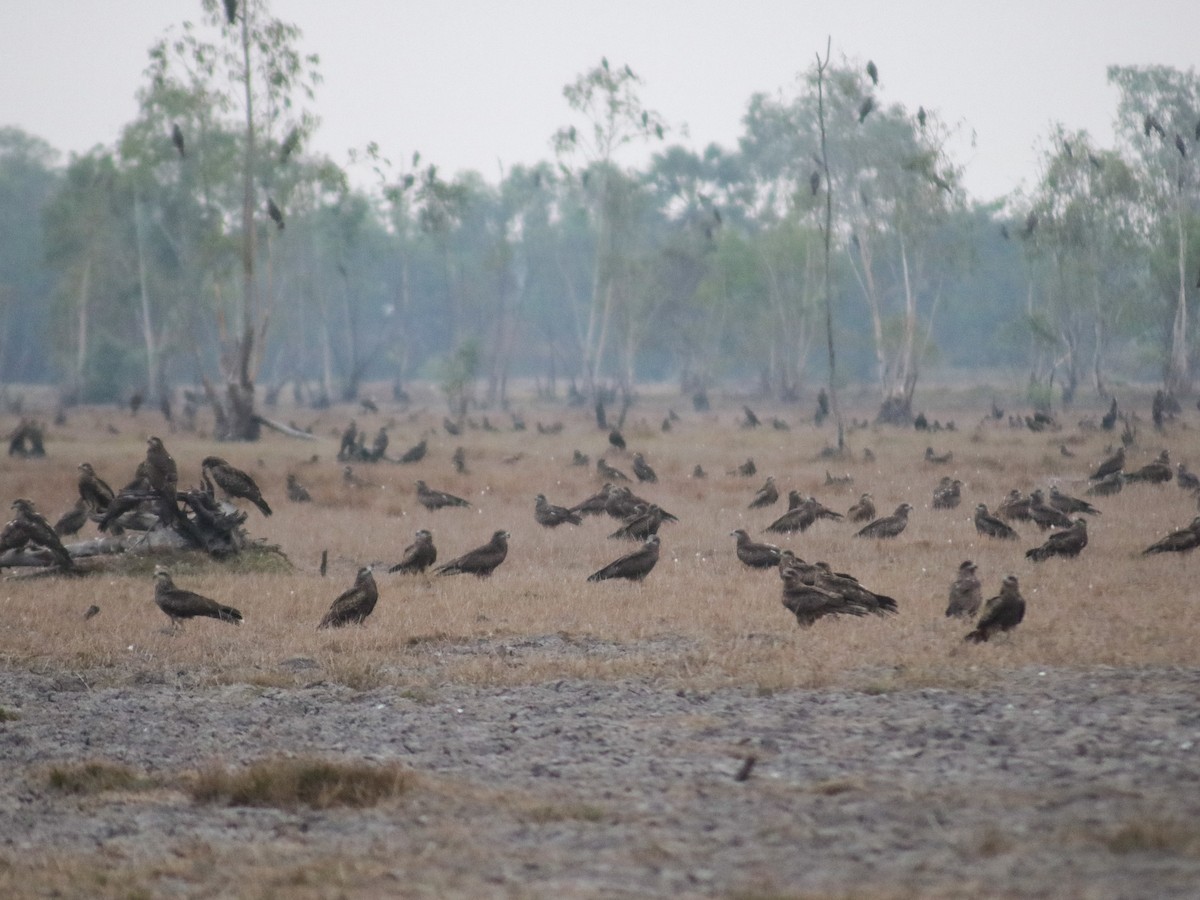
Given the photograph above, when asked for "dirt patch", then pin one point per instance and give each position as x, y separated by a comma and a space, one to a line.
1045, 783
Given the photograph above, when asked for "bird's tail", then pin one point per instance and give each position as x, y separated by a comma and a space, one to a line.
978, 636
229, 614
262, 504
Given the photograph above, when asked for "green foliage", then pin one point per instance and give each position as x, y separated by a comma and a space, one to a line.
457, 374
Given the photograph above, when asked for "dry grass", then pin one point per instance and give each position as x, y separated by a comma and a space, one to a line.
96, 777
288, 783
701, 618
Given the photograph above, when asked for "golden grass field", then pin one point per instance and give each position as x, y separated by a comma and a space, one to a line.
1110, 606
706, 669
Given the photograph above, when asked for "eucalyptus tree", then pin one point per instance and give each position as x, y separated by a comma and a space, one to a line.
607, 100
1158, 122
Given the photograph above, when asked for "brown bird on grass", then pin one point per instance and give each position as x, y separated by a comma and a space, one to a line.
1157, 472
547, 514
947, 494
632, 566
887, 526
863, 510
595, 505
415, 453
180, 605
234, 482
434, 500
965, 593
936, 459
1070, 505
755, 554
1186, 479
296, 492
767, 494
802, 516
642, 469
94, 490
160, 470
354, 604
1015, 506
481, 561
1107, 486
813, 592
1044, 515
419, 555
37, 530
990, 526
1003, 612
611, 473
641, 525
73, 519
1184, 540
1114, 463
1068, 542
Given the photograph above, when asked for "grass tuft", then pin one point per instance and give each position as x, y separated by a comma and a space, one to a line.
96, 777
287, 783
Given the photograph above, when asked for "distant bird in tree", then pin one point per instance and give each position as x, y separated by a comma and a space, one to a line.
766, 496
231, 11
814, 183
289, 145
1184, 540
610, 472
94, 490
1003, 612
864, 109
177, 140
966, 593
642, 469
1157, 472
296, 492
1150, 123
1114, 463
1031, 223
1097, 162
888, 526
1066, 543
354, 604
419, 555
1044, 515
551, 516
632, 566
863, 510
755, 554
990, 526
481, 561
1180, 145
616, 439
947, 494
434, 500
275, 213
872, 72
180, 605
415, 453
1070, 505
73, 519
234, 482
749, 419
922, 116
938, 459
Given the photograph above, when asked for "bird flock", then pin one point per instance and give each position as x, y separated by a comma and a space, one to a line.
810, 591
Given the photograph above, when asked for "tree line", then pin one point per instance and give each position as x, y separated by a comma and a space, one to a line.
209, 246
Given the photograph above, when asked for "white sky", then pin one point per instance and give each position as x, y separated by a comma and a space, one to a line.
476, 85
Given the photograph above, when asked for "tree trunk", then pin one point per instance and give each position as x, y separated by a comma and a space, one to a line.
1179, 380
152, 380
81, 341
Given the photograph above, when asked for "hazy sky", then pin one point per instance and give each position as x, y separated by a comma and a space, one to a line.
478, 85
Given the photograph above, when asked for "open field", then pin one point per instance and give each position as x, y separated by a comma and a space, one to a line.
553, 737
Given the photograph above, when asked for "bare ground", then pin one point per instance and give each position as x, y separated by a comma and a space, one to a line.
1058, 783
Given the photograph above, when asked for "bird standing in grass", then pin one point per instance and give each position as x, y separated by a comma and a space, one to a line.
1184, 540
482, 561
1068, 542
863, 510
548, 515
419, 555
354, 604
632, 566
755, 554
434, 500
990, 526
767, 494
296, 492
1003, 612
966, 592
887, 526
180, 605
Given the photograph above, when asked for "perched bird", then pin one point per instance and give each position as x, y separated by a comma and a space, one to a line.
179, 604
965, 592
755, 555
296, 492
290, 144
864, 109
922, 116
887, 526
1067, 542
990, 526
234, 482
1157, 472
1150, 123
609, 472
1003, 612
767, 494
419, 555
1114, 463
379, 445
551, 516
863, 510
947, 494
1182, 541
481, 561
749, 419
1180, 145
275, 213
1044, 515
161, 471
459, 458
94, 490
354, 604
415, 453
73, 519
1070, 505
177, 140
35, 528
872, 71
642, 469
231, 11
1109, 420
434, 500
632, 566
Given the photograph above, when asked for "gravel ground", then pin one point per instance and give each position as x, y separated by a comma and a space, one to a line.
1054, 784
